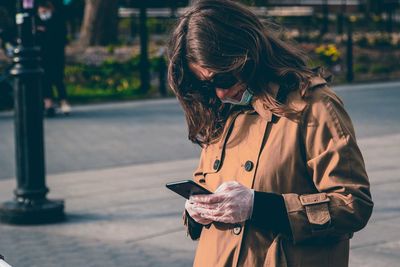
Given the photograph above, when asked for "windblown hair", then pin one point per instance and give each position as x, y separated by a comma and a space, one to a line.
224, 36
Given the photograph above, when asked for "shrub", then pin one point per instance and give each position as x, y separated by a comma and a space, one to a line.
329, 54
383, 41
363, 58
379, 69
360, 68
362, 41
109, 78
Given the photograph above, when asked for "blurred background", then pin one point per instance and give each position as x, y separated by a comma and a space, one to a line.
110, 158
109, 40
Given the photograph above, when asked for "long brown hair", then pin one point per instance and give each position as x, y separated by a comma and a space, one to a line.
224, 36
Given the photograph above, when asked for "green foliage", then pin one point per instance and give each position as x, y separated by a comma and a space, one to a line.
363, 58
109, 80
78, 93
377, 40
157, 25
329, 54
360, 68
124, 24
384, 41
111, 49
362, 42
379, 69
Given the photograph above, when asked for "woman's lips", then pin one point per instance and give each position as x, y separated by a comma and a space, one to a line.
225, 93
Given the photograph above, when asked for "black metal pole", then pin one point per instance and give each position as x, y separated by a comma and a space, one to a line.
350, 73
30, 205
340, 17
144, 57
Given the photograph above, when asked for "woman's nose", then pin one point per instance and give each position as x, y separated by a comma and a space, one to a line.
221, 93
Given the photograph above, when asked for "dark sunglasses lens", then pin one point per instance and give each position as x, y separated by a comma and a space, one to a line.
202, 85
224, 80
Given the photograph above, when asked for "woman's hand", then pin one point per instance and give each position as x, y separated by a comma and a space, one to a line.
195, 213
231, 203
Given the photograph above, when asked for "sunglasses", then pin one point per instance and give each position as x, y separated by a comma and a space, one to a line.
223, 80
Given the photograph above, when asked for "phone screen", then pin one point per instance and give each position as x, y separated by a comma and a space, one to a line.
187, 188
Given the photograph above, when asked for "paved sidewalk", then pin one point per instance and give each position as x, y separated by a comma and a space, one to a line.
125, 217
102, 136
116, 217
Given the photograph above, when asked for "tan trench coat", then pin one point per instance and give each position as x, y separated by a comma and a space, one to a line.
314, 163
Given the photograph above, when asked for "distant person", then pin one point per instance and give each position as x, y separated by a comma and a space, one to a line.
7, 43
162, 69
51, 33
279, 150
7, 31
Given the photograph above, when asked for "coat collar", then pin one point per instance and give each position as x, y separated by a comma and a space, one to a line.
258, 103
295, 99
298, 99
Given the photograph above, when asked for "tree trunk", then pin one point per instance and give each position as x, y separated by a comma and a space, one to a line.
100, 23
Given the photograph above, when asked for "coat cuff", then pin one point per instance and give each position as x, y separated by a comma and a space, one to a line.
269, 213
308, 215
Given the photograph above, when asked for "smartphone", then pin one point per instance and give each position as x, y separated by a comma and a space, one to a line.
187, 188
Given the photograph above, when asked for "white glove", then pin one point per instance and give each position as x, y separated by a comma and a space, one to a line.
195, 213
232, 202
4, 264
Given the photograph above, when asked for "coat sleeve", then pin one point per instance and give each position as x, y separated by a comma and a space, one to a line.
343, 203
193, 228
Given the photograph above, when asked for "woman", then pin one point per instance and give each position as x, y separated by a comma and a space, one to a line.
278, 148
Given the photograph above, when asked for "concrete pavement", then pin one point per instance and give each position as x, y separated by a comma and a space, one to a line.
116, 217
123, 215
105, 136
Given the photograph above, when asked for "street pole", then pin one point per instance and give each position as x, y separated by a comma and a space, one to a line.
340, 17
30, 205
325, 15
144, 56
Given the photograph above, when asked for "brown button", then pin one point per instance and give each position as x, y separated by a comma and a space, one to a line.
217, 162
248, 166
237, 230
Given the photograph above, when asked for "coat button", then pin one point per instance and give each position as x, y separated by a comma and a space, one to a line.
237, 230
248, 166
217, 162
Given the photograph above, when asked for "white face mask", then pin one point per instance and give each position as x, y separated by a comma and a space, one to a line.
244, 101
45, 15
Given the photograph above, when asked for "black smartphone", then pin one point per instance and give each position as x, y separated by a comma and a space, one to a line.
187, 188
